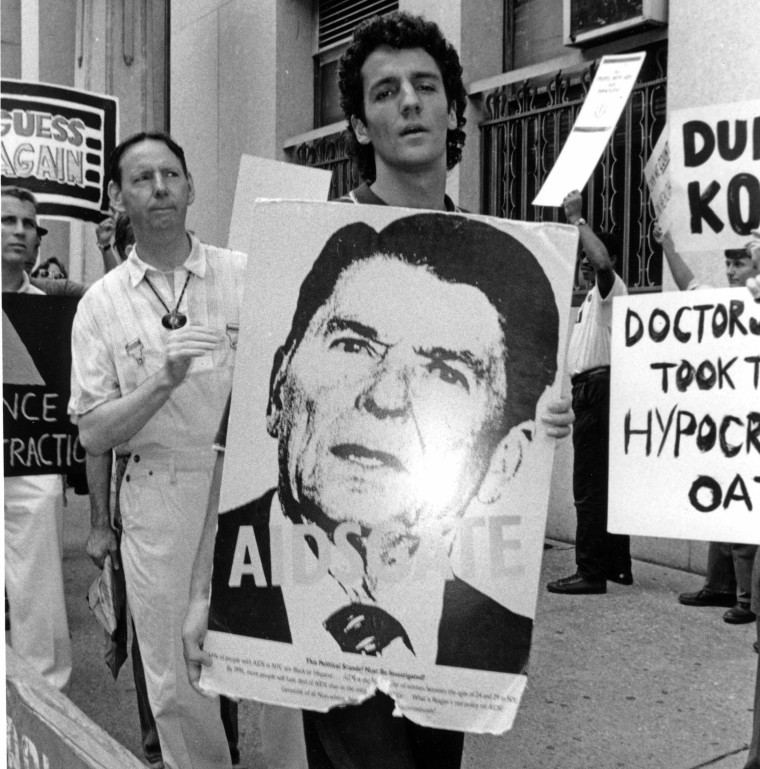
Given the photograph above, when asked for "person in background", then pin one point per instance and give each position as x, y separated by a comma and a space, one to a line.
753, 757
152, 366
50, 268
105, 234
599, 555
33, 504
104, 504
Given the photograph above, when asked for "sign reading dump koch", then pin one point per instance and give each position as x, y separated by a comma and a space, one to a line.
685, 416
56, 142
387, 475
38, 437
715, 152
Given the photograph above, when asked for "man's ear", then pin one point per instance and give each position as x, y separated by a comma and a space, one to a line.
360, 130
114, 195
276, 382
453, 120
191, 190
505, 462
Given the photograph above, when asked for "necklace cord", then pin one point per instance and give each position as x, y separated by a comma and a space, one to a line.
161, 299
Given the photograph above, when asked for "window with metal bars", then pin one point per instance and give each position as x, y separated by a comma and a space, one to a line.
335, 22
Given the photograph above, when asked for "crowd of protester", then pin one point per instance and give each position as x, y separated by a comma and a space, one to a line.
149, 386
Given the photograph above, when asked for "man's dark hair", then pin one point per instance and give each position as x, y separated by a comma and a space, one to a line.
456, 250
614, 247
19, 193
114, 162
123, 235
400, 31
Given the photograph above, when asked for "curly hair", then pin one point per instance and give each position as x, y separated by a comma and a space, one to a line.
398, 30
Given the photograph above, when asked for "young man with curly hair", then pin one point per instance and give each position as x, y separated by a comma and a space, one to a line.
402, 94
404, 100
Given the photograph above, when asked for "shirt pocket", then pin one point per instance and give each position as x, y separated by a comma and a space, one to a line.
224, 354
137, 362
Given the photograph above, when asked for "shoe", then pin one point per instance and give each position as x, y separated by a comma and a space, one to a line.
577, 584
739, 614
707, 597
621, 577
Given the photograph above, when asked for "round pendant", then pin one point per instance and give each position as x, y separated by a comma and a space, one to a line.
173, 320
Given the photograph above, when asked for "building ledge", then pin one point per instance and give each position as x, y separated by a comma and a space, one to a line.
577, 58
317, 133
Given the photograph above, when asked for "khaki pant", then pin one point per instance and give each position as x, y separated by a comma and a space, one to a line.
34, 575
163, 502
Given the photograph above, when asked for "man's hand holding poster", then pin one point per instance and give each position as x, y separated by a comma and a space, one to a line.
685, 416
386, 475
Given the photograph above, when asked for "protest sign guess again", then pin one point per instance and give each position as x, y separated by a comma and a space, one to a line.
56, 143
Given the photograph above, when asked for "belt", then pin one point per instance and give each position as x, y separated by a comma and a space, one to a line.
591, 373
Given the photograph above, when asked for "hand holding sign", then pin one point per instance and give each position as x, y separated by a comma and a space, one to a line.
184, 345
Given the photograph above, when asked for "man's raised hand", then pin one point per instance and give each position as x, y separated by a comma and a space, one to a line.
185, 344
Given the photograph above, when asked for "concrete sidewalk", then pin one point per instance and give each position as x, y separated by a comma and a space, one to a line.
629, 679
617, 681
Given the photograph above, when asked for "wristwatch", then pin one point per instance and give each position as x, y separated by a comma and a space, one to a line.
104, 248
579, 222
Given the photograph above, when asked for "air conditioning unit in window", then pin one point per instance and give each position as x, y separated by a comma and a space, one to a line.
590, 22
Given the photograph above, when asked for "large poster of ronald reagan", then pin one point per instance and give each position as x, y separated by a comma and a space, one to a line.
386, 471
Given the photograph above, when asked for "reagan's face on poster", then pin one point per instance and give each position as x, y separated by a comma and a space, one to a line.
385, 410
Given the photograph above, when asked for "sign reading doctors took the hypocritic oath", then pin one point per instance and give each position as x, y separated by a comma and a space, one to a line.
685, 416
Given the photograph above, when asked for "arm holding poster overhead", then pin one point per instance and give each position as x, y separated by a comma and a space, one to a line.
595, 251
682, 274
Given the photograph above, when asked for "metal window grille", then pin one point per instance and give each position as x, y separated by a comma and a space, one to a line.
330, 153
524, 130
337, 18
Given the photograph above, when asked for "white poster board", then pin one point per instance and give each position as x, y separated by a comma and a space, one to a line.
593, 127
685, 416
368, 445
274, 179
657, 175
715, 160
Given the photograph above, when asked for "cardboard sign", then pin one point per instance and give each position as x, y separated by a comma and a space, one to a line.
372, 442
657, 175
45, 730
716, 175
56, 143
264, 178
613, 83
38, 437
685, 416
